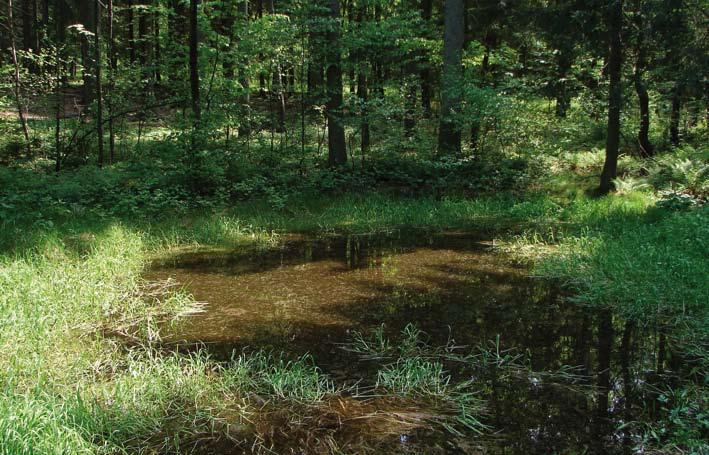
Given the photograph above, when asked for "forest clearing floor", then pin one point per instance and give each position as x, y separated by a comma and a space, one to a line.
88, 364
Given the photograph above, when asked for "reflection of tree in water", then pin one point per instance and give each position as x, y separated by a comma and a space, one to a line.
308, 295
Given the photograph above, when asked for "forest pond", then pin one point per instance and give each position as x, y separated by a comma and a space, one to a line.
309, 295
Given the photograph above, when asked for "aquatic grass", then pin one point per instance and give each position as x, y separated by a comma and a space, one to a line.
413, 375
272, 375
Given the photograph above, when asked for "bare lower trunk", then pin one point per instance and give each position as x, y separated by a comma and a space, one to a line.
675, 114
131, 32
194, 62
17, 82
111, 84
99, 94
363, 99
644, 144
425, 73
449, 133
563, 100
610, 167
337, 148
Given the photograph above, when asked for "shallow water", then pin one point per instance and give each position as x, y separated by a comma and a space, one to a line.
309, 294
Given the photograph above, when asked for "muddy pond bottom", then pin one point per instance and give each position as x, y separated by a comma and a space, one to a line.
309, 295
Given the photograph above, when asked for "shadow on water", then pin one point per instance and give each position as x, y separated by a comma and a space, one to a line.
309, 294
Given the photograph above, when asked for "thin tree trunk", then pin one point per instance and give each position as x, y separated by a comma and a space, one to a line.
646, 147
143, 38
18, 84
449, 134
363, 92
194, 62
564, 62
615, 59
675, 114
425, 73
363, 99
60, 80
111, 84
278, 96
131, 32
87, 17
337, 148
410, 107
99, 94
156, 44
245, 125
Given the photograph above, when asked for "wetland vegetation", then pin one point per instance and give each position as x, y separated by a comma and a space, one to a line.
350, 227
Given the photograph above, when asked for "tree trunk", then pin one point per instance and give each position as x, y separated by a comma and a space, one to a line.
87, 17
615, 60
99, 94
675, 114
337, 149
363, 99
410, 107
157, 50
425, 73
564, 62
131, 32
111, 85
28, 25
177, 21
60, 81
278, 95
194, 62
646, 147
449, 133
144, 48
17, 82
245, 125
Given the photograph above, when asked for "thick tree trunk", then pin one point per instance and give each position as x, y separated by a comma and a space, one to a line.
615, 59
449, 134
28, 25
99, 93
17, 82
194, 62
337, 148
675, 114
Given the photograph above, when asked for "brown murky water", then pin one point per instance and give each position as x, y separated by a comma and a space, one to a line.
309, 294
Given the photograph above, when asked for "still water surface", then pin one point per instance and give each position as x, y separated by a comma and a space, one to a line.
309, 294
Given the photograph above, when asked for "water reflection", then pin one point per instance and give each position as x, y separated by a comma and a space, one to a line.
309, 294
